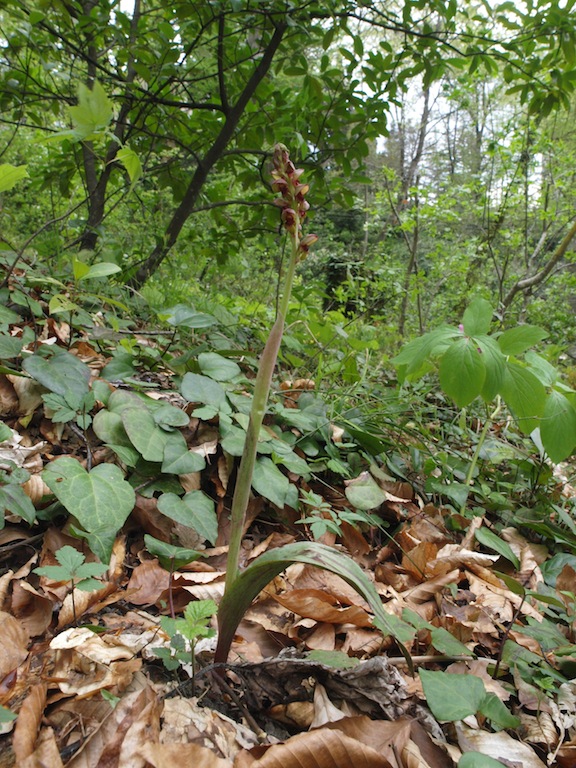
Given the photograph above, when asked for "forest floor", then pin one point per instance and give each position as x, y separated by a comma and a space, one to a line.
309, 682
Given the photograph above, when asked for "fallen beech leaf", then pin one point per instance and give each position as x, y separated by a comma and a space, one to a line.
324, 710
499, 745
323, 748
170, 755
28, 723
320, 606
13, 644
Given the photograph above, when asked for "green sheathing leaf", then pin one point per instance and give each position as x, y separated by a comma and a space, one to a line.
450, 696
518, 340
558, 426
100, 500
477, 317
524, 395
266, 567
14, 501
462, 371
194, 510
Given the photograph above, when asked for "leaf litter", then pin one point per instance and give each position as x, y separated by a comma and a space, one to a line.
310, 681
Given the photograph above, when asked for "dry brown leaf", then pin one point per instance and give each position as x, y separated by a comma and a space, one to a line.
45, 753
324, 710
453, 556
538, 729
323, 748
147, 583
28, 723
33, 610
171, 755
296, 714
321, 606
9, 402
417, 559
13, 643
425, 591
322, 638
500, 746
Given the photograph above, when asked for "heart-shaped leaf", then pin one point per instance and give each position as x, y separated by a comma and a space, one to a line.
100, 500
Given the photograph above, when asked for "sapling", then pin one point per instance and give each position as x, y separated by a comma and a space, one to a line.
242, 587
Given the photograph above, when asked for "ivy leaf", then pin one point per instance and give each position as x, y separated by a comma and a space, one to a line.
100, 500
364, 492
194, 510
59, 372
218, 367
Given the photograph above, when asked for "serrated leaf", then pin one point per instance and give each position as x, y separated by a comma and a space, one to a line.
519, 339
462, 371
558, 426
10, 175
100, 500
451, 696
93, 112
492, 541
477, 317
194, 510
218, 367
364, 492
70, 558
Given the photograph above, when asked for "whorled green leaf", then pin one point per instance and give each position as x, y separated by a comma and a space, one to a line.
413, 355
194, 510
100, 500
462, 371
477, 317
524, 394
238, 598
495, 364
558, 426
519, 339
452, 696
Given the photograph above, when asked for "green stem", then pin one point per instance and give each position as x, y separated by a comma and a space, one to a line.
261, 391
481, 439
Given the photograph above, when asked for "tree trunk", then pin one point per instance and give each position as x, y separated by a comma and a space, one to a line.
186, 207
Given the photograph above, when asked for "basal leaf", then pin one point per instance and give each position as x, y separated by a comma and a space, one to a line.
238, 598
450, 696
184, 315
496, 711
178, 460
14, 501
462, 371
100, 500
145, 435
202, 389
270, 482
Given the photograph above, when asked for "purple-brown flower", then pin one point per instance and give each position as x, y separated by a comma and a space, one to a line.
292, 200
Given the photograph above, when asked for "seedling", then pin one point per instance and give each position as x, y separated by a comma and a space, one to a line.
185, 632
74, 569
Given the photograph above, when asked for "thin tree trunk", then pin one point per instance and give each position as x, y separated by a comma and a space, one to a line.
186, 207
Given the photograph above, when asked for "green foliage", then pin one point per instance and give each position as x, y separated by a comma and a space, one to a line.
454, 697
185, 632
472, 364
6, 716
74, 568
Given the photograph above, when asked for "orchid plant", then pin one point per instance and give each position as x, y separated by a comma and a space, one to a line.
243, 586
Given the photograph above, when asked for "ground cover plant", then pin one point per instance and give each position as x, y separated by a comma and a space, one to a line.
425, 550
